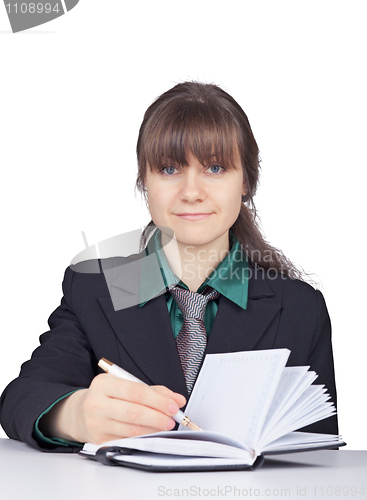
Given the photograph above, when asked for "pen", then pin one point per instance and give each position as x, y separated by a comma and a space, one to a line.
113, 369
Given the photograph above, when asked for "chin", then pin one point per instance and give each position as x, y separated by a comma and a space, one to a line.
196, 238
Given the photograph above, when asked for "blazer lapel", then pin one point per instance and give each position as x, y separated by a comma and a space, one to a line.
236, 329
145, 333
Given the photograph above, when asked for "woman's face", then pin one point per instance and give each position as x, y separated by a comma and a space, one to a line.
198, 203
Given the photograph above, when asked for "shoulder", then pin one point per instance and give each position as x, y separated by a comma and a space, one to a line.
289, 287
92, 267
267, 282
298, 298
293, 295
92, 277
295, 290
298, 288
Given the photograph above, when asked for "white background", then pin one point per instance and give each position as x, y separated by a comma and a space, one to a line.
72, 97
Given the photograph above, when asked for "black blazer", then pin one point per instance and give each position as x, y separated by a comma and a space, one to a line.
281, 312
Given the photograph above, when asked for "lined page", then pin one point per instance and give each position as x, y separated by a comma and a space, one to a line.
294, 381
298, 440
234, 391
303, 412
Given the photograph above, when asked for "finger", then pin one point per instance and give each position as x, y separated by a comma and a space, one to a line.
134, 414
180, 400
124, 429
109, 416
135, 393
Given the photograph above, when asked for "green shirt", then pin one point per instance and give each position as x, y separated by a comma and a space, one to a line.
229, 278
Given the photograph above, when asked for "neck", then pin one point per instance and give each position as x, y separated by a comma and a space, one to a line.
194, 263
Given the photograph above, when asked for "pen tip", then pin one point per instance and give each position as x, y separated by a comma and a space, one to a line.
186, 421
193, 427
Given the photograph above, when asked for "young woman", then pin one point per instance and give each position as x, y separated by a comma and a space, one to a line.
198, 170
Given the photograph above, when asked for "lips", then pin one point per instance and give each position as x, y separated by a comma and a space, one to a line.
194, 216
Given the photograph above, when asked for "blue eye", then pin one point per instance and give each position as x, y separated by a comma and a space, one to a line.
217, 168
168, 170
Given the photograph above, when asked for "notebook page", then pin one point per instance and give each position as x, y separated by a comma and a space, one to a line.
177, 443
312, 398
174, 460
233, 392
293, 383
289, 380
295, 419
295, 440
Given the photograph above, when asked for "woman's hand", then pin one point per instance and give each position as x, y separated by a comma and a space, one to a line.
112, 408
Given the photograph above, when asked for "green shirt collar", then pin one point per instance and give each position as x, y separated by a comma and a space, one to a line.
230, 277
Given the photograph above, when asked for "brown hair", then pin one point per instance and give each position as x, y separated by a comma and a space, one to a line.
204, 119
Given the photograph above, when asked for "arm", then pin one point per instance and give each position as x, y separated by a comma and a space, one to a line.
48, 375
63, 363
111, 409
321, 361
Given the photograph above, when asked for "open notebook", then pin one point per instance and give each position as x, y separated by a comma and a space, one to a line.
248, 404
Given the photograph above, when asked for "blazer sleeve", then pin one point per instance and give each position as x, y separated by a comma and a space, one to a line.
64, 362
321, 361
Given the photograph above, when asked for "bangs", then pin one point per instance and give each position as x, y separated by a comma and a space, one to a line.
210, 133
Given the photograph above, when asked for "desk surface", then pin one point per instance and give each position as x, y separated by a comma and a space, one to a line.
29, 474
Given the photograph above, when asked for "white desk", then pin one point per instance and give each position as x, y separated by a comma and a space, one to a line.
29, 474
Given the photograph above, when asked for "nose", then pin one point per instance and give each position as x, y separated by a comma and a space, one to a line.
192, 186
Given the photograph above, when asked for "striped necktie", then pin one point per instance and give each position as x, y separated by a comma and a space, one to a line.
191, 340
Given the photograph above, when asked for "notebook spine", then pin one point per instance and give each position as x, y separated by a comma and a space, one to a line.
106, 454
